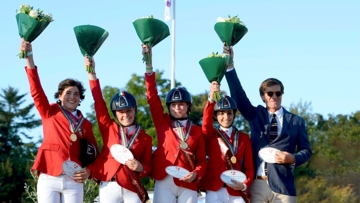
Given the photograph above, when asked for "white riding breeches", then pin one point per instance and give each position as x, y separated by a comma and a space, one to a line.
222, 196
112, 192
166, 191
59, 189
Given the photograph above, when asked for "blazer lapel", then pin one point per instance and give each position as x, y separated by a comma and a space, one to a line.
266, 126
286, 121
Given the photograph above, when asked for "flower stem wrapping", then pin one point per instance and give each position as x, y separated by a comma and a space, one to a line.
23, 54
31, 23
217, 96
90, 69
147, 59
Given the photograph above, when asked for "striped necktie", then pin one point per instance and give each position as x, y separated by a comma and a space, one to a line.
273, 128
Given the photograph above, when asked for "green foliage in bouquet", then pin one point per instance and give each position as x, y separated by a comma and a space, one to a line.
214, 67
90, 38
230, 30
31, 23
150, 31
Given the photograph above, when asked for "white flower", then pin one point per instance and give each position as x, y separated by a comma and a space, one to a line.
25, 6
220, 19
48, 17
33, 14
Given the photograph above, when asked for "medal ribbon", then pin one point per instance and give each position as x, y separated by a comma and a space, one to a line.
181, 132
132, 139
75, 124
233, 147
244, 194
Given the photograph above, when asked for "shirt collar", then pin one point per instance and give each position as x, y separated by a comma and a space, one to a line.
228, 131
279, 113
183, 122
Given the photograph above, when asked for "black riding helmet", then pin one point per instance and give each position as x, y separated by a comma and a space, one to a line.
225, 103
122, 100
178, 94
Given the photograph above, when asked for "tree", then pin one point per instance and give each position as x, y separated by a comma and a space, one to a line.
332, 174
15, 155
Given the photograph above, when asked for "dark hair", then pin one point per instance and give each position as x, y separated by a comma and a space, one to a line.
70, 83
268, 83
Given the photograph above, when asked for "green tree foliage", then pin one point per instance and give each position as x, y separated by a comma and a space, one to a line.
333, 172
14, 153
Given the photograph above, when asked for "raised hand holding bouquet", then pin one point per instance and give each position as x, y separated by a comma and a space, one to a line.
151, 31
31, 23
214, 67
230, 31
90, 38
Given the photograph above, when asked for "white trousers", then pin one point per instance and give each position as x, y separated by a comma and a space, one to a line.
222, 196
166, 191
112, 192
59, 189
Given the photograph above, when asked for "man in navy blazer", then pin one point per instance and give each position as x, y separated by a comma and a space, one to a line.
274, 182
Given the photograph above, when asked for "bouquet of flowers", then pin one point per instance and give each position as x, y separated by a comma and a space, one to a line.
214, 67
230, 30
151, 31
31, 23
90, 38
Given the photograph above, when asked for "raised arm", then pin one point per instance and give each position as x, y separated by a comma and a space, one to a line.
156, 108
208, 116
101, 110
236, 90
37, 93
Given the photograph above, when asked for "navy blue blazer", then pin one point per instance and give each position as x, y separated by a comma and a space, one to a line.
293, 135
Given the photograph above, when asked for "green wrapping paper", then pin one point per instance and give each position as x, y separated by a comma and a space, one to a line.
90, 38
214, 68
230, 32
151, 31
29, 28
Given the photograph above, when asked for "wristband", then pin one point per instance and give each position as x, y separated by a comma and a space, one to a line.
29, 53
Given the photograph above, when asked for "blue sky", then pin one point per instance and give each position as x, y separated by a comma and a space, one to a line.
313, 47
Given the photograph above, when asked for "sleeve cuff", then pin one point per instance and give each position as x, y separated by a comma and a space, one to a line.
245, 187
230, 69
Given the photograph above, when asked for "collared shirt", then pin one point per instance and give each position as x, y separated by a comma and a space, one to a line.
228, 131
183, 122
75, 113
279, 118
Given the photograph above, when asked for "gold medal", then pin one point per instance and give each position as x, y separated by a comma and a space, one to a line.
184, 145
233, 159
73, 137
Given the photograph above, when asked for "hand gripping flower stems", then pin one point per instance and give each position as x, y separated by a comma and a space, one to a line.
31, 23
230, 30
214, 67
150, 31
90, 38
